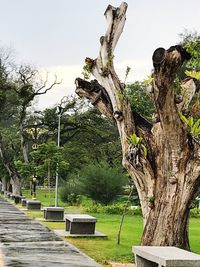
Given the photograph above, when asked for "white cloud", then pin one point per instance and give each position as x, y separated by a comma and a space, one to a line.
68, 73
139, 69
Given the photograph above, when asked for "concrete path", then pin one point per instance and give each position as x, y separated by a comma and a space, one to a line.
26, 243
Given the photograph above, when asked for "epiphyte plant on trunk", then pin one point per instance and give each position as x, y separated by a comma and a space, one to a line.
135, 149
170, 171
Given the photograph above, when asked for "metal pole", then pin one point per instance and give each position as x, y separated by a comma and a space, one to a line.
34, 187
58, 144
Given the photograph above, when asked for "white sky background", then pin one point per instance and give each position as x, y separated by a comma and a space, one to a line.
57, 35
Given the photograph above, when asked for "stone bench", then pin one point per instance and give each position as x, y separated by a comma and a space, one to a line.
53, 213
17, 199
153, 256
23, 202
80, 224
8, 194
33, 205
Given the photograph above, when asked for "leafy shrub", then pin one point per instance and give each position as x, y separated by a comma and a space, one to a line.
70, 192
101, 182
133, 199
140, 98
85, 201
94, 209
195, 213
113, 209
192, 124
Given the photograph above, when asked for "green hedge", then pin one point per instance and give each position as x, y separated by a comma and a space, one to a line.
119, 209
113, 209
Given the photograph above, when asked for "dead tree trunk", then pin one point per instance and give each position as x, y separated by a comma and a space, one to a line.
177, 171
168, 178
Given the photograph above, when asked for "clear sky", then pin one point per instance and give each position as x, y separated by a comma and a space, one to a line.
57, 35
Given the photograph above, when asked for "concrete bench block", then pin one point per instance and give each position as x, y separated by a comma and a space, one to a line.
17, 199
33, 205
53, 213
80, 224
23, 202
7, 194
153, 256
20, 200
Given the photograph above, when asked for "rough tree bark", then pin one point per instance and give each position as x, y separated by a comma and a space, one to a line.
15, 179
4, 184
168, 178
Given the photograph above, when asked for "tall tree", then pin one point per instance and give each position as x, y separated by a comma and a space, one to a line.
191, 41
8, 120
48, 159
163, 158
28, 87
85, 134
18, 88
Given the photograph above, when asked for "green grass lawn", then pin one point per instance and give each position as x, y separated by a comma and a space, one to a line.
46, 196
194, 234
104, 250
107, 249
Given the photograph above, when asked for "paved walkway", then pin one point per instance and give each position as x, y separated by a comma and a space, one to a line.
26, 243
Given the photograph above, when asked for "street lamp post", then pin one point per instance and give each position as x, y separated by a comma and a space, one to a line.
34, 179
34, 132
58, 144
60, 111
34, 187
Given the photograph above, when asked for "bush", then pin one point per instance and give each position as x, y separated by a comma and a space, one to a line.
113, 209
122, 199
195, 213
102, 183
70, 192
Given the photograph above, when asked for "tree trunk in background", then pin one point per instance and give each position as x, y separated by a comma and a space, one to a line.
24, 144
168, 178
4, 184
16, 185
15, 179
